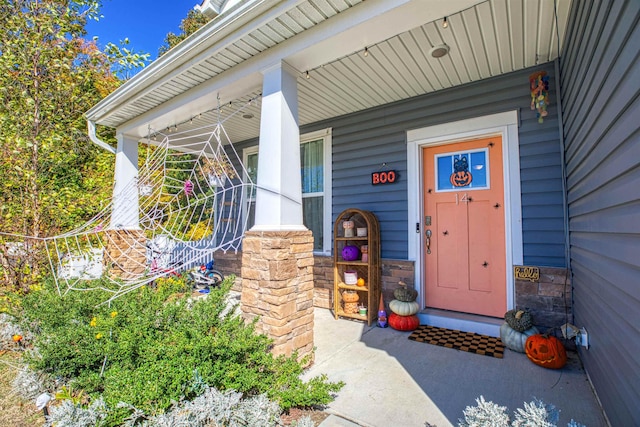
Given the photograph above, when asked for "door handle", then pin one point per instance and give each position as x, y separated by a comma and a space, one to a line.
428, 240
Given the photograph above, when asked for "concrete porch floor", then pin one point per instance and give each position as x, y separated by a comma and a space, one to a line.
392, 381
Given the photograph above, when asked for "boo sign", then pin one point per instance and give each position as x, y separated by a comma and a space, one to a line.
384, 177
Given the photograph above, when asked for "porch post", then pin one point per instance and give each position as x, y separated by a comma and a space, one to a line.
279, 192
277, 253
124, 214
125, 245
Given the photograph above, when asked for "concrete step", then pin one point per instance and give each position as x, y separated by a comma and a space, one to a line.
461, 321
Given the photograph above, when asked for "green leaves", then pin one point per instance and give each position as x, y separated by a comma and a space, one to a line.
42, 62
49, 77
161, 346
125, 61
189, 25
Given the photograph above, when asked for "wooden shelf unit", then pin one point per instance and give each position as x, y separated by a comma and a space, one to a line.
369, 294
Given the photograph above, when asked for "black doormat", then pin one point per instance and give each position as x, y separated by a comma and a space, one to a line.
464, 341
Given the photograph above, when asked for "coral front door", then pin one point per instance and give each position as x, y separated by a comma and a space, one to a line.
464, 227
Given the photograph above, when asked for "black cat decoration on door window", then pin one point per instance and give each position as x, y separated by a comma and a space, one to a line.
461, 177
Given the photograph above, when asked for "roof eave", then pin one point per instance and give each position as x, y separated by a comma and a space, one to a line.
240, 17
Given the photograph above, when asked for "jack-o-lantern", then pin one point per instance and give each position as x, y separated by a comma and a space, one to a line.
461, 178
546, 351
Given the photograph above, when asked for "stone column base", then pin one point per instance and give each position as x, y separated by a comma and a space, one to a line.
277, 287
125, 253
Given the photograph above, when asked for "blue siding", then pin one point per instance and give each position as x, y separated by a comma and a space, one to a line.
363, 141
600, 69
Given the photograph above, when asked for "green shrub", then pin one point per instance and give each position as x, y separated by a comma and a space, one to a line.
155, 346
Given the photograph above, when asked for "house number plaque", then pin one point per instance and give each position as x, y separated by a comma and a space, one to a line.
521, 272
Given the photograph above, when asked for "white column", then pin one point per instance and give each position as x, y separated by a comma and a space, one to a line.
279, 193
125, 212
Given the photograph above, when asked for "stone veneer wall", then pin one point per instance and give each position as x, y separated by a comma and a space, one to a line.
393, 271
277, 287
323, 282
230, 263
125, 253
549, 300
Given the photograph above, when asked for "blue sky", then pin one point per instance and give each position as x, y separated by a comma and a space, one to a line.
144, 22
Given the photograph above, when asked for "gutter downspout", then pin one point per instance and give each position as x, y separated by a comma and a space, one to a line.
565, 196
565, 189
91, 131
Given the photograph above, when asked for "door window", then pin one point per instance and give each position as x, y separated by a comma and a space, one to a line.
462, 170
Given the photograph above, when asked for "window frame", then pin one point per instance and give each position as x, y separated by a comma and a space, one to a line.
326, 136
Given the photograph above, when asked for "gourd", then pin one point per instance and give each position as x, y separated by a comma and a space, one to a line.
514, 339
519, 320
404, 323
405, 293
404, 308
546, 351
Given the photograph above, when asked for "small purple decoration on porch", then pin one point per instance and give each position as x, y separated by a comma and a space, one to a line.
350, 253
382, 319
382, 314
188, 187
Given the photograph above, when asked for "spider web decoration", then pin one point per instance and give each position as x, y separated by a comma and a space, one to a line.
192, 190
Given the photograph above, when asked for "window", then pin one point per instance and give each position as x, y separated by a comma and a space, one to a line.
315, 172
251, 165
467, 169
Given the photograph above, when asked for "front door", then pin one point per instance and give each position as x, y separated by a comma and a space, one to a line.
464, 227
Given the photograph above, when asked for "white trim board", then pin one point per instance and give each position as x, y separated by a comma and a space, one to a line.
504, 124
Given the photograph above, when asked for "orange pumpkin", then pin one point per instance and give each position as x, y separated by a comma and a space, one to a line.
350, 296
461, 178
404, 323
546, 351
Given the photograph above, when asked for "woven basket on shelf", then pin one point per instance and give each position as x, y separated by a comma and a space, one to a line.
350, 307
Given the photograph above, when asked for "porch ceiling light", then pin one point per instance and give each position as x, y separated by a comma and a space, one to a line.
439, 51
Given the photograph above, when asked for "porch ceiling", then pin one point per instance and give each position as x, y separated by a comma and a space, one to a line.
485, 38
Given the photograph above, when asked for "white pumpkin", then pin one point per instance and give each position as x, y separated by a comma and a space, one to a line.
404, 308
513, 339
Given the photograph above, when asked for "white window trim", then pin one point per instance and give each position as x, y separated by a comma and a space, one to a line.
245, 176
325, 134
